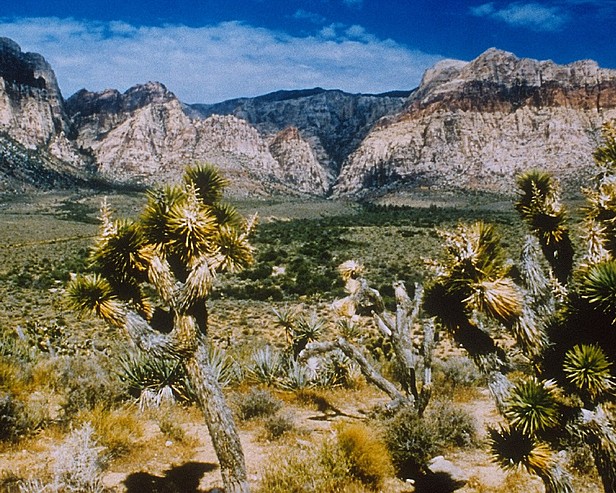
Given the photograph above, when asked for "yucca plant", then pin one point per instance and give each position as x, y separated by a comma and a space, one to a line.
265, 366
587, 368
184, 238
512, 448
532, 406
142, 373
540, 207
598, 286
471, 280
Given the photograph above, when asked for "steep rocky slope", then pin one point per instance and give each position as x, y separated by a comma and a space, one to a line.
35, 145
475, 125
469, 125
332, 121
144, 136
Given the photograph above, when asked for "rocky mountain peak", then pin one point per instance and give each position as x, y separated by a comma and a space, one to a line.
85, 103
25, 71
476, 125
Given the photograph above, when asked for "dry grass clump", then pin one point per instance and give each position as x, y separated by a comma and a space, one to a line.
365, 453
117, 430
355, 461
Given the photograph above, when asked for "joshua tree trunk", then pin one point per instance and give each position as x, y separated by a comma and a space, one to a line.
190, 345
601, 438
219, 420
556, 479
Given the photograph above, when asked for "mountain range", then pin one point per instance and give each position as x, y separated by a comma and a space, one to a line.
469, 125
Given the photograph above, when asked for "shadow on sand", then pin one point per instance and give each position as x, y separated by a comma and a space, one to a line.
179, 479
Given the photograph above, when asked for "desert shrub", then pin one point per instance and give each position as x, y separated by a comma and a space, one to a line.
411, 441
455, 426
355, 462
87, 383
116, 430
167, 419
12, 374
278, 425
256, 404
13, 421
78, 462
365, 453
456, 372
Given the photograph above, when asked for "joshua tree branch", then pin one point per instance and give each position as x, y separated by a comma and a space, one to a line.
352, 352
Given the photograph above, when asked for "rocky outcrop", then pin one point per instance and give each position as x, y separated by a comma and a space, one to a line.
476, 125
332, 121
300, 164
144, 137
35, 129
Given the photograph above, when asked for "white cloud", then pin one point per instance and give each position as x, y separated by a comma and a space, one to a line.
214, 63
532, 15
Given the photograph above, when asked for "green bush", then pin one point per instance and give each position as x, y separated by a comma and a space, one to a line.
411, 441
455, 426
87, 383
278, 425
257, 404
13, 422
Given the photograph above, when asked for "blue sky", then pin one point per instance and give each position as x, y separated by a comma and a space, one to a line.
211, 50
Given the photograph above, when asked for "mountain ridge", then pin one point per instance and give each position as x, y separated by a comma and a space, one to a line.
468, 125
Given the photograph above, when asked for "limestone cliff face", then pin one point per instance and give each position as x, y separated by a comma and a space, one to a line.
144, 136
331, 121
476, 125
300, 164
32, 117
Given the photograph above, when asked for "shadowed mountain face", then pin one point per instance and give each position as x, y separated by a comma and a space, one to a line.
469, 125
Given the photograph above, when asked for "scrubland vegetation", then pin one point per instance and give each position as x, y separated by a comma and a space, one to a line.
448, 335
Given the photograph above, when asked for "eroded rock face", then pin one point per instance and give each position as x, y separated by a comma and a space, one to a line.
332, 122
32, 117
476, 125
300, 164
469, 125
144, 136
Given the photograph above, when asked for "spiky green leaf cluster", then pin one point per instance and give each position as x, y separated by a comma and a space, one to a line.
93, 295
511, 448
473, 277
208, 182
587, 368
598, 287
532, 406
539, 205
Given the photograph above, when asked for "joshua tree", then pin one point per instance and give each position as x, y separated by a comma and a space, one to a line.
580, 326
152, 277
471, 289
540, 207
396, 327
